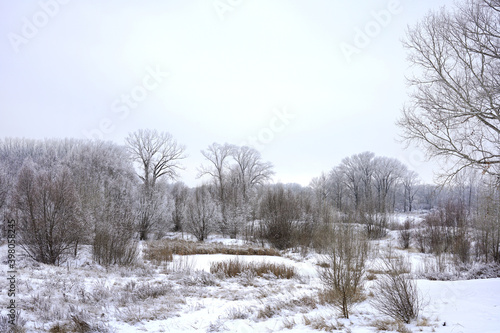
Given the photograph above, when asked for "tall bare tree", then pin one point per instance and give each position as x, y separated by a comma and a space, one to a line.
387, 172
410, 181
157, 153
218, 157
159, 156
250, 168
454, 107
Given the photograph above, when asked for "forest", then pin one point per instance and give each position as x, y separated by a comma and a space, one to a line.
66, 193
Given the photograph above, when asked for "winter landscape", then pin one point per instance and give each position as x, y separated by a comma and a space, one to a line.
250, 166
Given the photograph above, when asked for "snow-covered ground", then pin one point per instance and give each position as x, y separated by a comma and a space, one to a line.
463, 306
183, 296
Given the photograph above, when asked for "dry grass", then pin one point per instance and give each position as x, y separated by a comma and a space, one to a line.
233, 268
320, 323
288, 323
390, 325
158, 253
163, 250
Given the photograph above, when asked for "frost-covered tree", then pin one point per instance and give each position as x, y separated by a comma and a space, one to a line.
250, 169
358, 170
158, 156
236, 172
95, 165
114, 241
218, 168
336, 181
387, 173
4, 187
202, 213
410, 181
180, 194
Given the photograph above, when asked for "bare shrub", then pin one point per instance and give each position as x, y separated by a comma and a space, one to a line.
279, 213
404, 234
343, 278
46, 208
396, 292
113, 242
375, 224
109, 249
322, 236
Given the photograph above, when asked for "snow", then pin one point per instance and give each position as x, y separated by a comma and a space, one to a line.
465, 306
197, 301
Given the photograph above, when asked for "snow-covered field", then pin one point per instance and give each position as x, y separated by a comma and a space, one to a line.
183, 296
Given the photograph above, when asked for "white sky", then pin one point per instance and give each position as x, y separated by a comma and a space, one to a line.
234, 68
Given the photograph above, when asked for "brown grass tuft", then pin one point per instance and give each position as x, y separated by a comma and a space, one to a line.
233, 268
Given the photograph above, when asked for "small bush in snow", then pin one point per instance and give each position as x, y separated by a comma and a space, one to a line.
396, 293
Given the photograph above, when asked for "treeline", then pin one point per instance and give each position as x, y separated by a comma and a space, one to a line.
65, 193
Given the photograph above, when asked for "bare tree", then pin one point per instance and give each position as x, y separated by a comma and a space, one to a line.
251, 169
454, 108
158, 155
46, 208
343, 276
336, 182
410, 181
246, 173
387, 172
322, 196
487, 222
218, 157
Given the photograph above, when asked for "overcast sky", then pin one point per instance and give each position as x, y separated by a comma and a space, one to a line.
305, 82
